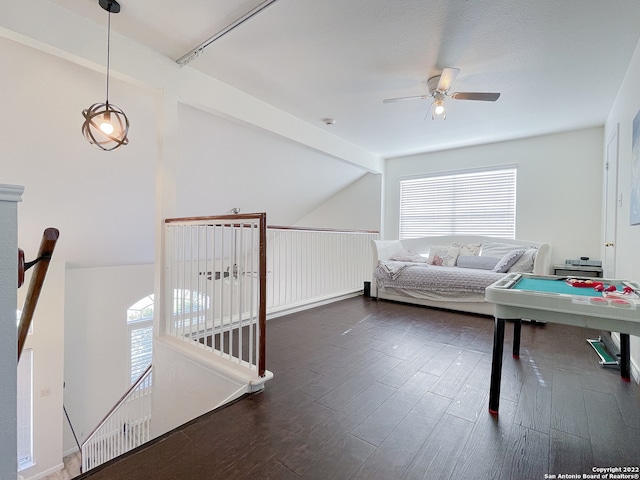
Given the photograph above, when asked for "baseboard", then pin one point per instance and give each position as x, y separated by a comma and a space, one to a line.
299, 307
43, 474
66, 453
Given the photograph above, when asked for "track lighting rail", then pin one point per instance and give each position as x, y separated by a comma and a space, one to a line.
195, 52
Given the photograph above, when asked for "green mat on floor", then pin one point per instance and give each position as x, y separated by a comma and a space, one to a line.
605, 356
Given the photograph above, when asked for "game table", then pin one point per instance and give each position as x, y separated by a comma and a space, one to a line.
552, 299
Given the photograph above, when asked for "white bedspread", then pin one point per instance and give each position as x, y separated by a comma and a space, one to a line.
433, 279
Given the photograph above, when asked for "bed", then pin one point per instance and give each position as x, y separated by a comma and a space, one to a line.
451, 272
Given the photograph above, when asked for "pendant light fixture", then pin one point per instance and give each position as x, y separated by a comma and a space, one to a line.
105, 125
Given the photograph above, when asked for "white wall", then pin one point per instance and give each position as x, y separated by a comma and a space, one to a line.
623, 111
225, 164
187, 385
47, 343
90, 195
356, 207
559, 186
96, 340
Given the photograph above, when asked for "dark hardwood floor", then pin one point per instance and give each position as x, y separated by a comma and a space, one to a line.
367, 389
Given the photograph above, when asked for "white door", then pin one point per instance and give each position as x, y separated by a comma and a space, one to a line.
611, 204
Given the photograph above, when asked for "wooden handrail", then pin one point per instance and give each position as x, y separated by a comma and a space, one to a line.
253, 216
320, 229
41, 264
212, 218
125, 395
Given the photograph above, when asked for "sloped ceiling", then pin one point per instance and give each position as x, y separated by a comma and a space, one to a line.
557, 64
267, 174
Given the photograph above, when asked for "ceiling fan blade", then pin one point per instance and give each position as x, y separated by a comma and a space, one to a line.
447, 77
402, 99
486, 97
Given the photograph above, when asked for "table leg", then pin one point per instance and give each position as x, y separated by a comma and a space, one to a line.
625, 357
496, 366
517, 328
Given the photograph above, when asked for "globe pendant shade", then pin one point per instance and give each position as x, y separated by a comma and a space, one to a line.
105, 126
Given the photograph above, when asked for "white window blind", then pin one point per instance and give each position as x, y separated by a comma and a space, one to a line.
462, 203
140, 322
141, 350
25, 409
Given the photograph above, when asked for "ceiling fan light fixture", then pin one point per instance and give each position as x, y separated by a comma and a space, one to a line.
439, 86
438, 107
105, 125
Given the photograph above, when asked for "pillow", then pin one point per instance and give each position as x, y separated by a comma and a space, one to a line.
468, 248
525, 262
495, 249
408, 256
505, 263
474, 261
444, 256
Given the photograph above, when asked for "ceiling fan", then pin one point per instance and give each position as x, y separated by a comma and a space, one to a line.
439, 86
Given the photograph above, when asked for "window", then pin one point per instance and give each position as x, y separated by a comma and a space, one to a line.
18, 315
140, 323
24, 418
25, 409
478, 202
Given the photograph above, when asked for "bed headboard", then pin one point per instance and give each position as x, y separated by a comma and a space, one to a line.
383, 249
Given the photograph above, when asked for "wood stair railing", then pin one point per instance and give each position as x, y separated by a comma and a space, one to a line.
40, 264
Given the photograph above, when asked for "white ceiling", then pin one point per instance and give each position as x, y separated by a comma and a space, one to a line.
557, 64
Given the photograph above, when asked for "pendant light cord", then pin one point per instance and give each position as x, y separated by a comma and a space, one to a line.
106, 126
108, 53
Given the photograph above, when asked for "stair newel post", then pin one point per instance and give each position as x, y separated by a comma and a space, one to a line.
262, 312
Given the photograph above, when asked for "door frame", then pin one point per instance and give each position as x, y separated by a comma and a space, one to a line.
610, 203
